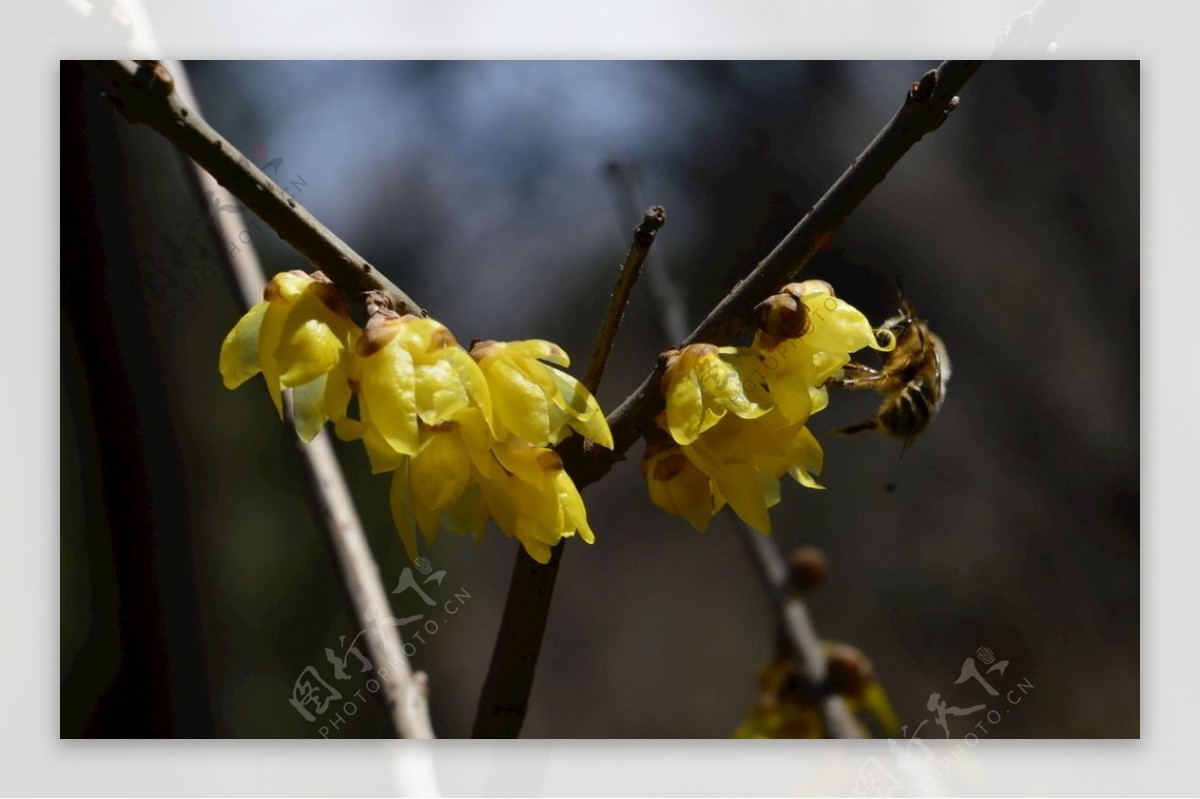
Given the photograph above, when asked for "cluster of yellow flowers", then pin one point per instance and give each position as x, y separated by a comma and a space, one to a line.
735, 417
466, 435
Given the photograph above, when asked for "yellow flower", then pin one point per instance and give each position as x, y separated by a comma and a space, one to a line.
299, 338
744, 458
439, 483
700, 388
677, 486
425, 411
793, 370
536, 402
409, 371
533, 499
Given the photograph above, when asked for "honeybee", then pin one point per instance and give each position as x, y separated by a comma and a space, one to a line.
913, 379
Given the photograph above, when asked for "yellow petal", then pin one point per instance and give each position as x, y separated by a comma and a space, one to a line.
837, 326
573, 507
794, 401
475, 438
402, 514
532, 465
439, 391
472, 379
679, 488
722, 382
440, 470
743, 491
809, 459
537, 349
427, 520
388, 390
308, 408
685, 409
309, 344
348, 429
519, 404
337, 393
467, 514
239, 352
425, 339
536, 549
819, 399
268, 340
286, 287
587, 418
381, 455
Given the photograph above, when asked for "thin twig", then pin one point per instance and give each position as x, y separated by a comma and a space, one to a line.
504, 699
403, 691
666, 292
631, 270
799, 632
144, 94
926, 106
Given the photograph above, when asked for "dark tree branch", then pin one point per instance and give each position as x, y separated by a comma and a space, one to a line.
927, 104
144, 93
505, 695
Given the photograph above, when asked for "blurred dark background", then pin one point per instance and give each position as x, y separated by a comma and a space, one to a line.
196, 588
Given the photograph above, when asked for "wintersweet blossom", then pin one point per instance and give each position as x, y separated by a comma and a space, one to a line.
532, 499
738, 415
299, 338
700, 388
535, 402
410, 370
677, 486
465, 435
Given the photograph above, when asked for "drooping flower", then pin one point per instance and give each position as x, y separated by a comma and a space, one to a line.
533, 500
805, 335
677, 486
425, 411
700, 388
535, 402
439, 484
410, 370
299, 337
793, 370
745, 459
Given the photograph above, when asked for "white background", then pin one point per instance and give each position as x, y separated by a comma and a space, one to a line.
36, 762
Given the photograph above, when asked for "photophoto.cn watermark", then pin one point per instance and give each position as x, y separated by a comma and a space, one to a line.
330, 696
168, 280
991, 694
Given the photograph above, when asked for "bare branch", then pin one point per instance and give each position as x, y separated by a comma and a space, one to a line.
145, 94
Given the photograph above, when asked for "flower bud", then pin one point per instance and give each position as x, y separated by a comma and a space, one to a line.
808, 568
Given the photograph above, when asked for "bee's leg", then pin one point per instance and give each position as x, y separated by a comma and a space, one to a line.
861, 427
856, 376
